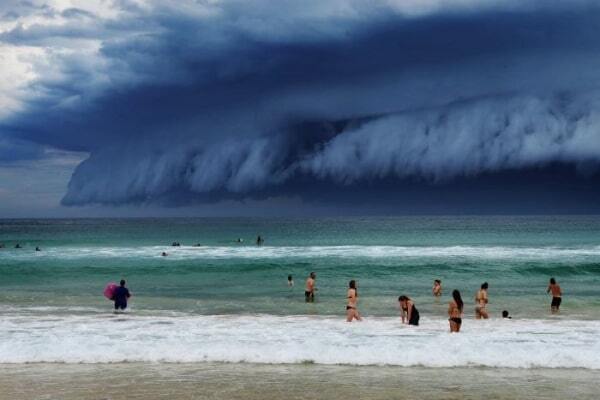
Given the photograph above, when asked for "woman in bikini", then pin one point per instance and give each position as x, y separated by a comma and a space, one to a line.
351, 311
408, 311
455, 310
481, 300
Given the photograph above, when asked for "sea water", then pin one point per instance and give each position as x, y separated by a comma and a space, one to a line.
228, 301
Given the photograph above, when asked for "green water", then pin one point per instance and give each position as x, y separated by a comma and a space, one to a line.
387, 256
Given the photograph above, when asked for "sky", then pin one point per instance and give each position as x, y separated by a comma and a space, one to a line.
335, 107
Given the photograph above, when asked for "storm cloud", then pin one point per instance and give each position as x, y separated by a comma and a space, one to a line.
201, 101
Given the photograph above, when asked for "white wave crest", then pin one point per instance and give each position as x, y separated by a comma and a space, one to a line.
279, 252
299, 339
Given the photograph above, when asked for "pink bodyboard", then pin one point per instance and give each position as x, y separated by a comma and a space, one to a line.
109, 290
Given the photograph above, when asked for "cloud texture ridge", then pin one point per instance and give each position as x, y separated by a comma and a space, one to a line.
200, 101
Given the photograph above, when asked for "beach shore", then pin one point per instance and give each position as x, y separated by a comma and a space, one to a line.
252, 381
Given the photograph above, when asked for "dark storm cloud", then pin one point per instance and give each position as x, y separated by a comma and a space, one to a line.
215, 100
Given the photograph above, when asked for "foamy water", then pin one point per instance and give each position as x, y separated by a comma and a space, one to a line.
298, 339
279, 252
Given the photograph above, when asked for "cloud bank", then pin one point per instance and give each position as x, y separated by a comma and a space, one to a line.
180, 102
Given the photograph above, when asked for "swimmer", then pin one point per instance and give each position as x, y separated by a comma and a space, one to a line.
259, 240
481, 300
17, 246
121, 295
290, 281
556, 295
408, 311
505, 315
240, 240
175, 244
437, 288
197, 245
309, 292
351, 310
455, 310
37, 248
164, 254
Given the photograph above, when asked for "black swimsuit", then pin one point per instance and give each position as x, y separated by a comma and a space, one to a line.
414, 316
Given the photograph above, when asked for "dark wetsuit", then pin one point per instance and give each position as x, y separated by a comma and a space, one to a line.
414, 316
121, 295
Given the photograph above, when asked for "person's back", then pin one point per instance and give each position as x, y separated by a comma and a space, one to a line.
309, 291
121, 295
554, 288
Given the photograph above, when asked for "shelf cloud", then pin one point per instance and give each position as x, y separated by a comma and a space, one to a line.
201, 101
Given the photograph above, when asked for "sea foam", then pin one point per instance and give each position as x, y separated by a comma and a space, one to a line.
299, 339
279, 252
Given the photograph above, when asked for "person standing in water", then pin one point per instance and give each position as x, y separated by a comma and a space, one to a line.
481, 300
437, 288
259, 240
290, 281
554, 288
351, 310
121, 295
408, 311
455, 310
309, 292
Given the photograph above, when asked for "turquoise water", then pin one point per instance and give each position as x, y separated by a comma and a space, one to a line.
388, 257
225, 301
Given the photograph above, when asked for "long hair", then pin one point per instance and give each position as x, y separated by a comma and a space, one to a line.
457, 299
352, 285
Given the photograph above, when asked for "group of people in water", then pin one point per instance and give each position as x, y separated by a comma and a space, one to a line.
18, 246
408, 311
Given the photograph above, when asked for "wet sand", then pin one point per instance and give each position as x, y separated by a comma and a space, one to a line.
294, 381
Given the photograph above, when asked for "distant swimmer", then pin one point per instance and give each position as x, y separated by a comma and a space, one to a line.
164, 254
351, 310
121, 295
554, 288
309, 292
437, 288
408, 311
197, 245
455, 310
18, 246
505, 315
481, 300
37, 248
259, 240
290, 281
240, 240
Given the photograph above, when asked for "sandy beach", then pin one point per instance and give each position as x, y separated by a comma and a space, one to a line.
218, 381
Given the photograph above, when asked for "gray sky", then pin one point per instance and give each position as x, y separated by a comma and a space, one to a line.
315, 107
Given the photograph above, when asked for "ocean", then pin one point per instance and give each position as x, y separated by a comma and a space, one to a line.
215, 303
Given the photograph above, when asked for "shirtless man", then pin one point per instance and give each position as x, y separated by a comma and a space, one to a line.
556, 295
481, 300
351, 310
437, 288
309, 292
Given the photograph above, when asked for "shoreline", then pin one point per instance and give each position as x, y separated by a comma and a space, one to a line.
270, 382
